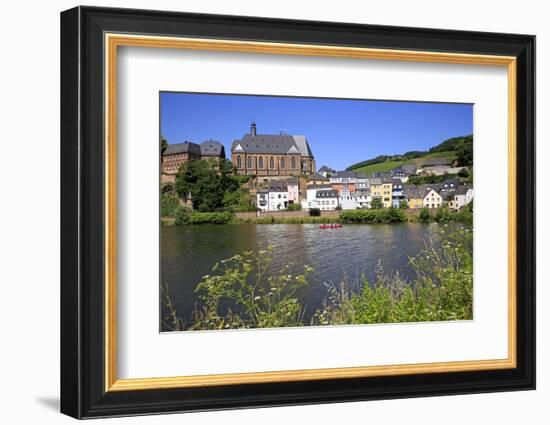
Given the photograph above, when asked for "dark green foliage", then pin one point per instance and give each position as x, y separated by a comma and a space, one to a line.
424, 216
464, 173
386, 215
403, 204
430, 179
314, 212
212, 190
168, 188
443, 215
163, 145
451, 144
210, 217
182, 215
294, 207
376, 204
168, 205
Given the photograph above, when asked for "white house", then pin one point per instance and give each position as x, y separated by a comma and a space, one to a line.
311, 195
327, 199
462, 196
432, 199
363, 198
348, 201
275, 198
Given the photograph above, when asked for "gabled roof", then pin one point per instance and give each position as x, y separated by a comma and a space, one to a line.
462, 190
325, 169
185, 147
420, 191
278, 144
212, 148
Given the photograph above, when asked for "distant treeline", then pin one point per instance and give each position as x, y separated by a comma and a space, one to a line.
463, 146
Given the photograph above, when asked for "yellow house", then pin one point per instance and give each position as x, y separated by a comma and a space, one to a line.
386, 194
381, 189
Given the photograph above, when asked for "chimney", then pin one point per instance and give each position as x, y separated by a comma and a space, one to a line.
253, 129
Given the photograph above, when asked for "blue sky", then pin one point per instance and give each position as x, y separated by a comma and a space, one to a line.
340, 132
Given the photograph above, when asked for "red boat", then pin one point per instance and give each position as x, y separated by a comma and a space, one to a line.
330, 226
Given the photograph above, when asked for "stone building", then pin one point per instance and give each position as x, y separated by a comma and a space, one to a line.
272, 155
178, 153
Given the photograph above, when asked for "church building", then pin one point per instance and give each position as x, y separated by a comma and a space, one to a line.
272, 155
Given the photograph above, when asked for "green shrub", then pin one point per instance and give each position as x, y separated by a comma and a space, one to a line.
387, 215
424, 216
314, 212
168, 205
294, 207
242, 284
442, 289
182, 215
210, 217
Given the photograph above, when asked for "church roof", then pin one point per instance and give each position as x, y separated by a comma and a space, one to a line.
272, 144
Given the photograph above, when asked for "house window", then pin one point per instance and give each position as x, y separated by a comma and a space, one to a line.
271, 163
260, 162
239, 162
283, 163
249, 162
293, 163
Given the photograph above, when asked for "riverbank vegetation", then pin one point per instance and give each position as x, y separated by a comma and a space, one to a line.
184, 216
384, 215
247, 291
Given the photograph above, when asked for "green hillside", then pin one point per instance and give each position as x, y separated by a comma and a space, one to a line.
389, 165
459, 148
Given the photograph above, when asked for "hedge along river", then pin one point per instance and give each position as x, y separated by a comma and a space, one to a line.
190, 252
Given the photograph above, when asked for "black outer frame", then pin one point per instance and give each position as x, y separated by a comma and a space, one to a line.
82, 212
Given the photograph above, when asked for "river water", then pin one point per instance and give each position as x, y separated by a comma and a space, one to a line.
189, 252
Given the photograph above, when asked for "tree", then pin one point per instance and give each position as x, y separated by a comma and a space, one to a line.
464, 173
213, 186
163, 144
201, 179
403, 204
376, 204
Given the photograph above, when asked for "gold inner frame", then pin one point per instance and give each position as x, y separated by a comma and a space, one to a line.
113, 41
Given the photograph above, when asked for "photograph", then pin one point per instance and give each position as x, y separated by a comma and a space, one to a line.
283, 211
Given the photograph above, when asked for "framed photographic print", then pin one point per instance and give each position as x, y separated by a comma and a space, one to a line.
261, 212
